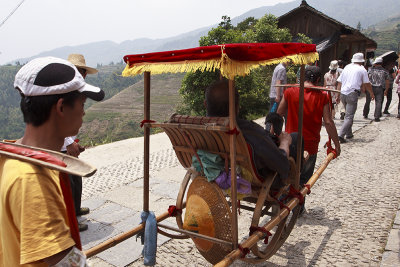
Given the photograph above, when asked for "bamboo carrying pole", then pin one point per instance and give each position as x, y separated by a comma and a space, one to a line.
321, 88
253, 239
232, 140
119, 238
300, 125
146, 167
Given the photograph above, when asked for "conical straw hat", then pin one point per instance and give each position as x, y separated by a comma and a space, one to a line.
208, 213
79, 61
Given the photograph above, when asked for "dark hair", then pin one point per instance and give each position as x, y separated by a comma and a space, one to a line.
275, 120
217, 99
312, 74
36, 109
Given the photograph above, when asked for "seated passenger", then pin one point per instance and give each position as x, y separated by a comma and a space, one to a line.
268, 156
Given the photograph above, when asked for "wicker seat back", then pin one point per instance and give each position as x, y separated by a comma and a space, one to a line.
190, 133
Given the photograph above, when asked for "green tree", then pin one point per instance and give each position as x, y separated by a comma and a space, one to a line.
254, 88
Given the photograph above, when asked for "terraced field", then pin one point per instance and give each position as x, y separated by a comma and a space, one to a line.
119, 117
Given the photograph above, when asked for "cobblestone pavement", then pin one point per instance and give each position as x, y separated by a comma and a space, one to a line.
349, 212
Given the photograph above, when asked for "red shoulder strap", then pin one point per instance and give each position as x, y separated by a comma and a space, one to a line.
69, 203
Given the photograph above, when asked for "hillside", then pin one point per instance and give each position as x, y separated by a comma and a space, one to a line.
119, 117
12, 126
349, 12
386, 34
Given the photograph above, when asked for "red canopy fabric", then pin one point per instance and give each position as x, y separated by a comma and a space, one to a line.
239, 52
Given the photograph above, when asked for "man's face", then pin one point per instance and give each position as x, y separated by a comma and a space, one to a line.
74, 115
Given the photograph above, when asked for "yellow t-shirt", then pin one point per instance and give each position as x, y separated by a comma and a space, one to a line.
33, 216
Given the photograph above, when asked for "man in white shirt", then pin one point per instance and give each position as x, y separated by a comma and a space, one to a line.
353, 78
278, 77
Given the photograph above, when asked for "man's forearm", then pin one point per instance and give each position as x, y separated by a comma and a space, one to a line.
285, 147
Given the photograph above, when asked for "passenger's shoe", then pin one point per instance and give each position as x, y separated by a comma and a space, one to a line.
342, 115
349, 136
83, 211
82, 227
365, 116
342, 140
386, 112
377, 119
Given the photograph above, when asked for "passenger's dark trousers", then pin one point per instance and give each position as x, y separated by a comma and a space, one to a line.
388, 99
76, 188
293, 147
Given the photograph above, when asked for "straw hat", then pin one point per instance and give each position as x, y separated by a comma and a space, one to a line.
79, 61
334, 65
208, 213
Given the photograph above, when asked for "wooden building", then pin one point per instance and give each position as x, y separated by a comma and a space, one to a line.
334, 39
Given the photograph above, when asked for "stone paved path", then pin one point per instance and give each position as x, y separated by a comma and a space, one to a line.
349, 213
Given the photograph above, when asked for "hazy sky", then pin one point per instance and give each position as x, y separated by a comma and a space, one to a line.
41, 25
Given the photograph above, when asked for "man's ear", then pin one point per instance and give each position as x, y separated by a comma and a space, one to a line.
60, 106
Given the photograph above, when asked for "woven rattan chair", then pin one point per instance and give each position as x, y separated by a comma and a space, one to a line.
188, 134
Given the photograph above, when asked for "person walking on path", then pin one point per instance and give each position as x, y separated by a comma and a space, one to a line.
379, 78
353, 78
389, 95
37, 220
71, 146
330, 81
397, 81
279, 77
316, 109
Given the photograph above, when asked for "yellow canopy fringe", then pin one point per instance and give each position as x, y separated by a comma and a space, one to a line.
229, 68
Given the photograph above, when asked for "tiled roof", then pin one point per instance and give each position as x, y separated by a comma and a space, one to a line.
345, 28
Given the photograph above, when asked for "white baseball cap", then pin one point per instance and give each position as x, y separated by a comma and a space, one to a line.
51, 76
358, 58
378, 60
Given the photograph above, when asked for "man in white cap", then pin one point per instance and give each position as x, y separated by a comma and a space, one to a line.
379, 78
71, 146
353, 78
37, 220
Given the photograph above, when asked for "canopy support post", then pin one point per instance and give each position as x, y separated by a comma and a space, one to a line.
146, 159
300, 126
232, 141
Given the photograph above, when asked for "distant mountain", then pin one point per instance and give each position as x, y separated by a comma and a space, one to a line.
386, 33
350, 12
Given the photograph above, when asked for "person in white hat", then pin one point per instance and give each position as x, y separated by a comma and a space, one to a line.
330, 81
379, 78
73, 148
37, 222
354, 77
